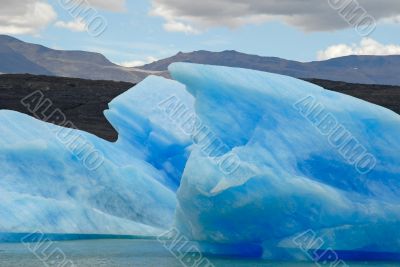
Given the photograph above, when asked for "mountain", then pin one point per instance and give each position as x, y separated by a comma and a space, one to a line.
352, 69
20, 57
13, 62
17, 56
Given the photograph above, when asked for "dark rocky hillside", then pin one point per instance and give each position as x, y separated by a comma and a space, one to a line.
83, 101
382, 95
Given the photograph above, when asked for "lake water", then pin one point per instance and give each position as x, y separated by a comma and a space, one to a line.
109, 253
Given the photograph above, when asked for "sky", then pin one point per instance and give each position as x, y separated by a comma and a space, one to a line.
137, 32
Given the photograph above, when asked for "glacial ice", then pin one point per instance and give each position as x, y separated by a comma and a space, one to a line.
143, 124
46, 186
243, 162
309, 161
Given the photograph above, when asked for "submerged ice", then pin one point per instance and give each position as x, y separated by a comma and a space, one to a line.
244, 162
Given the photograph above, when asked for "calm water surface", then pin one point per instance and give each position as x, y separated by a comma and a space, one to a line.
109, 253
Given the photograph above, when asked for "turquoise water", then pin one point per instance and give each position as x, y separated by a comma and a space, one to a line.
110, 253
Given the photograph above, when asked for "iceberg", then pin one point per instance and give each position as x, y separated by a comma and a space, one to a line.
50, 183
243, 162
310, 162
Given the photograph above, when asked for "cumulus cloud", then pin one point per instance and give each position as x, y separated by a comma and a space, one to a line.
138, 63
367, 46
114, 5
25, 16
309, 15
392, 20
31, 16
77, 25
175, 26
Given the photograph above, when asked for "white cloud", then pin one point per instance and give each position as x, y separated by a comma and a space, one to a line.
131, 64
392, 20
308, 15
77, 25
367, 46
174, 26
25, 16
114, 5
138, 63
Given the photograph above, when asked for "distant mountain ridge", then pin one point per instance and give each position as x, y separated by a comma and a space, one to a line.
352, 69
13, 62
20, 57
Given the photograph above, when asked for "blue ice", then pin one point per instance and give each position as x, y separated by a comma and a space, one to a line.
244, 162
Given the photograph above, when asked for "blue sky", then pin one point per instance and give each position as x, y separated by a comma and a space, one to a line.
142, 31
